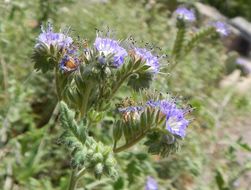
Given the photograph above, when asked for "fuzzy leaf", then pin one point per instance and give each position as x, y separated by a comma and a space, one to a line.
85, 151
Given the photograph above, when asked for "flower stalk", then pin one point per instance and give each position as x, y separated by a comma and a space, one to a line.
73, 181
129, 144
199, 36
119, 83
75, 176
179, 40
58, 91
84, 106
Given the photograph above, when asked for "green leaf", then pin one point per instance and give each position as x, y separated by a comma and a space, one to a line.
220, 180
119, 184
243, 145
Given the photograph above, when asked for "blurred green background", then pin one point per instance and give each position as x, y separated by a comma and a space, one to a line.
216, 152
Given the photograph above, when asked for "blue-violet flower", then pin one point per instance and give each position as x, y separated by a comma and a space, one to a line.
150, 59
108, 46
176, 123
244, 63
185, 14
151, 184
49, 38
221, 28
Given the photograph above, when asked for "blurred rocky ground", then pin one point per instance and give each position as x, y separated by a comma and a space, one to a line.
239, 76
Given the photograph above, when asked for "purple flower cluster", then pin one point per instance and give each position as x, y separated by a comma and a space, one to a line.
176, 123
185, 14
151, 184
49, 38
221, 28
108, 46
150, 59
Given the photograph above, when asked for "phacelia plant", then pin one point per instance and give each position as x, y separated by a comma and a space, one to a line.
87, 78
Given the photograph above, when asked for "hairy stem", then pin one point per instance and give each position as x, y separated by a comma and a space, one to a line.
58, 91
119, 83
73, 181
199, 36
129, 144
178, 44
5, 76
80, 173
75, 176
96, 184
84, 105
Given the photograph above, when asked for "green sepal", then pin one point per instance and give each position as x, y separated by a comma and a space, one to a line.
162, 143
117, 131
141, 76
140, 80
45, 58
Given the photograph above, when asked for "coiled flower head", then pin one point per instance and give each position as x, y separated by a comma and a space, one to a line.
153, 103
221, 28
107, 46
49, 38
150, 59
131, 111
185, 14
151, 184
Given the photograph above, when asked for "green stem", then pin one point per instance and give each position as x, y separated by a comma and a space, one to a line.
118, 84
199, 36
95, 184
80, 173
114, 145
73, 181
130, 144
58, 91
188, 47
178, 44
87, 93
75, 176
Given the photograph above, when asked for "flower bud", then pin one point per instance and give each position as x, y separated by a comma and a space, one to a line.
98, 170
97, 157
